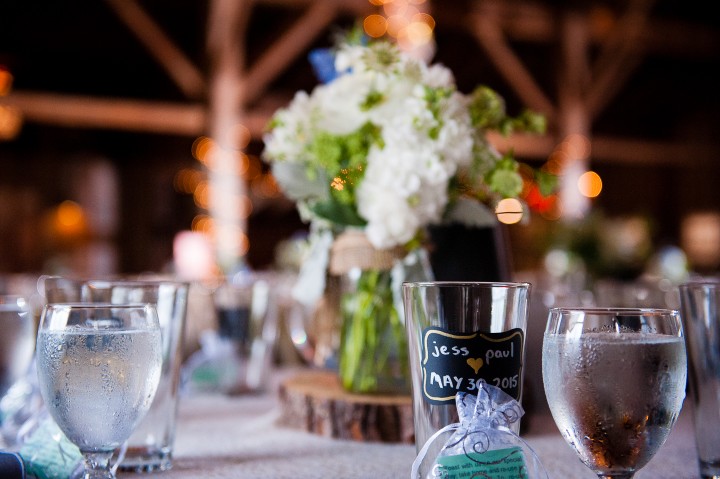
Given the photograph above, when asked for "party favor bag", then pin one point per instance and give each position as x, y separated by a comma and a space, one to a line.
481, 445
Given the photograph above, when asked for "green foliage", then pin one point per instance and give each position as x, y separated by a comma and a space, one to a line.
372, 334
547, 182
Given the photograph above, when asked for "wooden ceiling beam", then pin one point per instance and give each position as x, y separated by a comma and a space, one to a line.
486, 29
621, 53
108, 113
536, 23
181, 70
191, 119
293, 43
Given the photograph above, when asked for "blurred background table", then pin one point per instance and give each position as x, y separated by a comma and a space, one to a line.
239, 436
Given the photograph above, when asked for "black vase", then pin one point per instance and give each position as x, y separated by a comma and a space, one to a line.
461, 253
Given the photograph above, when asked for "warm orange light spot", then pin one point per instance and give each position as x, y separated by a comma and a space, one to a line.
10, 122
556, 162
265, 186
509, 211
201, 148
396, 7
6, 80
424, 18
69, 218
375, 25
590, 184
203, 224
575, 146
70, 213
395, 24
201, 195
418, 33
186, 180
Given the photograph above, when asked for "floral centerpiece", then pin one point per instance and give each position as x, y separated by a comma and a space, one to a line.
386, 148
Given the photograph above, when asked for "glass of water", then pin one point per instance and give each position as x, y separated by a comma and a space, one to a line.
615, 383
17, 340
98, 368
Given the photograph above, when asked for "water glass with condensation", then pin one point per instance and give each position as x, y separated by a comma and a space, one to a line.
150, 448
700, 303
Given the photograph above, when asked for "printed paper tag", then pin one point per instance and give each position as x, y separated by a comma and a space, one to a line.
454, 362
496, 464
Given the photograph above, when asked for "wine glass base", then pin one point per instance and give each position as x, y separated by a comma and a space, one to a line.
709, 469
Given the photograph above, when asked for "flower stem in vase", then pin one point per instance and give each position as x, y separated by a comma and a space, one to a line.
373, 350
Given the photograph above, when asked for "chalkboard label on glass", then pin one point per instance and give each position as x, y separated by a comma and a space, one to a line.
454, 362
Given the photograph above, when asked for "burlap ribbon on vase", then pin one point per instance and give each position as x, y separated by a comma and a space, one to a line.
352, 249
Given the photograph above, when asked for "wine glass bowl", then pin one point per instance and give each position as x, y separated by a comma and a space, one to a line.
615, 383
98, 369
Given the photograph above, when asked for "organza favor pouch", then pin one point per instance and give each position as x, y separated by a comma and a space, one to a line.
481, 445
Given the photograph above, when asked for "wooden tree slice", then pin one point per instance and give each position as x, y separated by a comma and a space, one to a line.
315, 401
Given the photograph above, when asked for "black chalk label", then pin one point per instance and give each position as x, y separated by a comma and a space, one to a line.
454, 362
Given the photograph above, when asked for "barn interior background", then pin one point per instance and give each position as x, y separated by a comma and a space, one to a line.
109, 109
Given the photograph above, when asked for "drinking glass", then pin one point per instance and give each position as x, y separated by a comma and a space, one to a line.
17, 340
464, 330
98, 369
615, 383
150, 447
700, 301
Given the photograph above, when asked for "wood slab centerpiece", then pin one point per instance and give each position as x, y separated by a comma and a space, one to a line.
315, 401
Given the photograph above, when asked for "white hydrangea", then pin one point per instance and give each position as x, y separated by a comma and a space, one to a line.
405, 183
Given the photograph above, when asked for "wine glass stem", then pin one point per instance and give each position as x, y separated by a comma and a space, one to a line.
97, 465
628, 475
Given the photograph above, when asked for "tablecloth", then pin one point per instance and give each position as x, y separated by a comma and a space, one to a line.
238, 437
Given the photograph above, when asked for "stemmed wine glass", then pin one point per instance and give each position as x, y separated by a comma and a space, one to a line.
98, 369
615, 383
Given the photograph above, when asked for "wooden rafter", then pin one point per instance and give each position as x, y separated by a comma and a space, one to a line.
182, 71
621, 53
494, 23
108, 113
574, 76
485, 27
287, 48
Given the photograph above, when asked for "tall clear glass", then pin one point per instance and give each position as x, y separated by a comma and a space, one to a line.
615, 383
98, 370
17, 340
151, 445
458, 333
700, 303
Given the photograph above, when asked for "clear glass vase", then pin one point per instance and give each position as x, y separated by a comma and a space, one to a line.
373, 356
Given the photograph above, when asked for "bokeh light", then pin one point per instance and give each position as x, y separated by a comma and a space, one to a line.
201, 195
6, 79
187, 180
69, 219
590, 184
375, 25
201, 148
509, 211
10, 122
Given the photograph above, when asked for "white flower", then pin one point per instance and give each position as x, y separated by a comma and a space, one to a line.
405, 127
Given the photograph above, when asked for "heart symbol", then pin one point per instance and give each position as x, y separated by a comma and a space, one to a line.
475, 363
